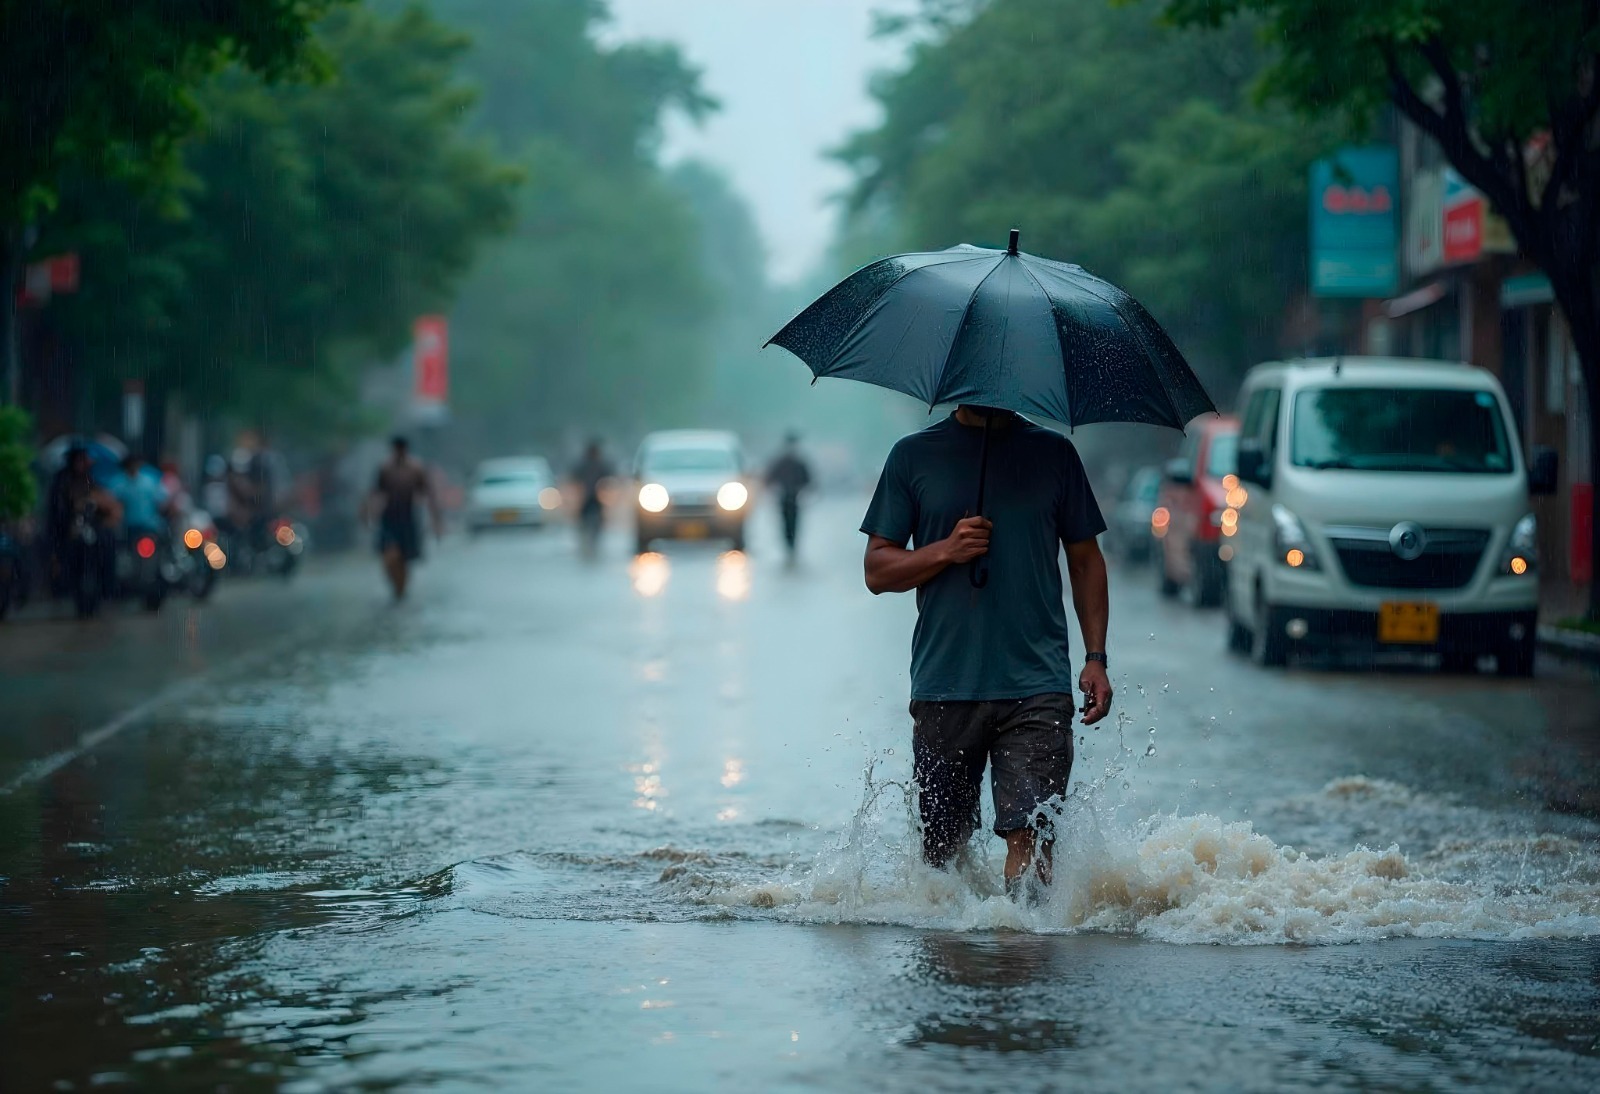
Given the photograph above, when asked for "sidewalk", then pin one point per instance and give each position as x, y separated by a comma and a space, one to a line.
1569, 642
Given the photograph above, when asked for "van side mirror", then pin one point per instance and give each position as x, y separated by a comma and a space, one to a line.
1544, 468
1178, 472
1253, 465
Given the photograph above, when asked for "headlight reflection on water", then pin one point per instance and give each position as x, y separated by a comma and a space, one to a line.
649, 573
733, 576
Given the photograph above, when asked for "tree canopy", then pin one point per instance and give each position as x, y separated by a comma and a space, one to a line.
314, 221
1511, 93
1110, 142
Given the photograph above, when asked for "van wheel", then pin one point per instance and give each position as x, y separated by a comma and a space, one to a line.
1270, 646
1239, 637
1515, 659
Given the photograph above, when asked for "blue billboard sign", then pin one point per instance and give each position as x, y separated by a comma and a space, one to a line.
1355, 225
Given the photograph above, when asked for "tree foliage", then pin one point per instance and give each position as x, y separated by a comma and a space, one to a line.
594, 313
1509, 90
107, 85
315, 222
17, 486
1111, 142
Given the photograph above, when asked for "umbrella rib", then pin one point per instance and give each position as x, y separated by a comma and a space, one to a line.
870, 309
1138, 335
1061, 346
960, 329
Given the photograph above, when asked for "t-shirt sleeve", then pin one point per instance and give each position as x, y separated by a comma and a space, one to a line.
1077, 513
893, 512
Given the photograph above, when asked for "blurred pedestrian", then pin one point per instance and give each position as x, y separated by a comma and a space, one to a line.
591, 475
402, 482
790, 475
991, 673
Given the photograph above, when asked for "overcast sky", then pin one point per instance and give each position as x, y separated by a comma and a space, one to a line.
792, 78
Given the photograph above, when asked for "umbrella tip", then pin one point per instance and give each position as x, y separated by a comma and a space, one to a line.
1016, 234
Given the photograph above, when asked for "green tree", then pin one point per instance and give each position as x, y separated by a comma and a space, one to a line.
595, 311
1109, 142
17, 488
1488, 80
106, 86
317, 220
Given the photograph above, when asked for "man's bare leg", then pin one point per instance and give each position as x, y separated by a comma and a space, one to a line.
1021, 846
394, 565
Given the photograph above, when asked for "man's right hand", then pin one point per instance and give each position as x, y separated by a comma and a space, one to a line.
968, 540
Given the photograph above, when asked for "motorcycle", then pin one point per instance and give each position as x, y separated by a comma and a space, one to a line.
144, 568
272, 547
197, 557
12, 576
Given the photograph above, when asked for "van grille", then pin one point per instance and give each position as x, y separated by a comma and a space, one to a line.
1448, 561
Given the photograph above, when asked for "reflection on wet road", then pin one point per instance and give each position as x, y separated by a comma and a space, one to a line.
642, 824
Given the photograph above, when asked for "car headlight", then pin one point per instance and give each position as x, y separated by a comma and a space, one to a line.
653, 497
1521, 555
1291, 545
732, 496
550, 498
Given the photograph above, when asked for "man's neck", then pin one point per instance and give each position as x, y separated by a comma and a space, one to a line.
971, 416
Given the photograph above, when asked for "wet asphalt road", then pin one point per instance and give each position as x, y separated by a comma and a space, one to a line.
555, 825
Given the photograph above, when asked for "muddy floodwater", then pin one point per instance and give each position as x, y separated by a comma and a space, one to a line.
643, 824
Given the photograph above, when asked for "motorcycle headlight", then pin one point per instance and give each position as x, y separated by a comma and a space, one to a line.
1291, 545
1521, 555
732, 496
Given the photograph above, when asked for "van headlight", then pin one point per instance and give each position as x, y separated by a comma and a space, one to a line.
1291, 545
653, 497
1521, 555
732, 496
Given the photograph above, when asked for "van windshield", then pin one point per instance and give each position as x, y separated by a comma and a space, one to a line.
1400, 429
691, 459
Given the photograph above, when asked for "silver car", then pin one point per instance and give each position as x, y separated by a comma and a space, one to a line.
513, 492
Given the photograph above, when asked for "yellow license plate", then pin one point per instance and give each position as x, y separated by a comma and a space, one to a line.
506, 516
1408, 622
693, 529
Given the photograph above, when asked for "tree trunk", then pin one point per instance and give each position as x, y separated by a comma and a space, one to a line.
11, 254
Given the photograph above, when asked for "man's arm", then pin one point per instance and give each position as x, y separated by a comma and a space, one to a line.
891, 568
1091, 599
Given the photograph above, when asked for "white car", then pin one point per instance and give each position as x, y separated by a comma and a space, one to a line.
513, 492
691, 486
1384, 504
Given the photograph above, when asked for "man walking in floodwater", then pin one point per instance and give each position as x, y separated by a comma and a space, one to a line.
991, 668
789, 475
402, 481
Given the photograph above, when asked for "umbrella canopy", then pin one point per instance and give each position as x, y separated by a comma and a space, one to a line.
1001, 329
105, 453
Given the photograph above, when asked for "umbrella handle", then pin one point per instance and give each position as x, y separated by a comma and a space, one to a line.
978, 571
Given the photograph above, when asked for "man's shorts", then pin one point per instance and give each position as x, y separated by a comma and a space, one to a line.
1027, 744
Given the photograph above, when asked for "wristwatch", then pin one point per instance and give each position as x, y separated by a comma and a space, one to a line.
1096, 655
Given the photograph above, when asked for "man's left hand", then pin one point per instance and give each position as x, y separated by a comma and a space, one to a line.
1096, 688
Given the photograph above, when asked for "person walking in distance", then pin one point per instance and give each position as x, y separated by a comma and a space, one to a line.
789, 475
991, 671
591, 474
402, 482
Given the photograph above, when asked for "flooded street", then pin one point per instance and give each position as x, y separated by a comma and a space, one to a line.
642, 824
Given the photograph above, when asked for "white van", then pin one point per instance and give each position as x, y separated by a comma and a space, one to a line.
1384, 505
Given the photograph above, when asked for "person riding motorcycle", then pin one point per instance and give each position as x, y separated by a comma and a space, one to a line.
144, 500
81, 515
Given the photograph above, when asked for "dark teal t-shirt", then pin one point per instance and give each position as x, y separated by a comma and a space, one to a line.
1007, 640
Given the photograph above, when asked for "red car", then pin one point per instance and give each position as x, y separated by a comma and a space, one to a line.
1197, 513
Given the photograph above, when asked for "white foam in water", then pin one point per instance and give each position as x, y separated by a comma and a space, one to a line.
1199, 879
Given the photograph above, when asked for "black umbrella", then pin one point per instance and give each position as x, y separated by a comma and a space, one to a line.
998, 329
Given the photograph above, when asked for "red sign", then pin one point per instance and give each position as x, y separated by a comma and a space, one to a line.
1581, 535
430, 360
1463, 230
1358, 200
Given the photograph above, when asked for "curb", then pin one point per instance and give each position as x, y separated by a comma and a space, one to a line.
1569, 643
